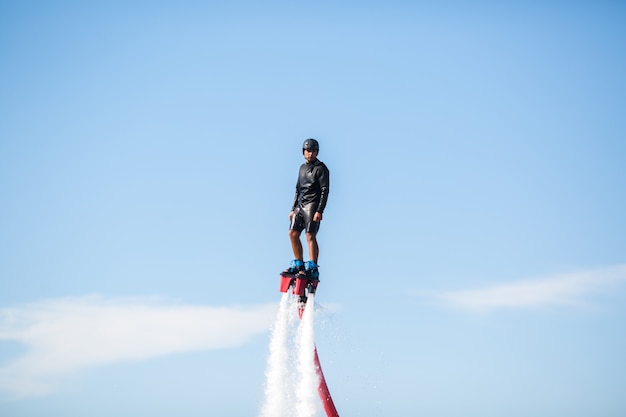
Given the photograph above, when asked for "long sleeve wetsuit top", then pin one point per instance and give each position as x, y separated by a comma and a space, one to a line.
313, 186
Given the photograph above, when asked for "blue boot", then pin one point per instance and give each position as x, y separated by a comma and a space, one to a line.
295, 266
310, 269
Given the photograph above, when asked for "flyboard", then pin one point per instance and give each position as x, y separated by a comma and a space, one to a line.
303, 286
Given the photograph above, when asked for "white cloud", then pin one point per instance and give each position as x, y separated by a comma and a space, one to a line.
67, 335
561, 289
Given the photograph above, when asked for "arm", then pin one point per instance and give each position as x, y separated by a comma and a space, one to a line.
324, 181
295, 197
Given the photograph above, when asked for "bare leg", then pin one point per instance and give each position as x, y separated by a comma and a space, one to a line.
314, 250
296, 245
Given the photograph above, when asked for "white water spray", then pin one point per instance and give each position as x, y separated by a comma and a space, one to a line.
291, 376
276, 387
306, 393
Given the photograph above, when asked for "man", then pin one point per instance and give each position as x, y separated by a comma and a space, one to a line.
307, 210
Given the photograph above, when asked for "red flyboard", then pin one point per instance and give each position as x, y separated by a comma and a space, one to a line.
302, 284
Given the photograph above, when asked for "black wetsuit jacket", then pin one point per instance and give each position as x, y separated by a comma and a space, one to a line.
313, 186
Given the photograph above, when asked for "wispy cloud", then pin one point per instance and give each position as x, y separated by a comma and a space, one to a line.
561, 289
63, 336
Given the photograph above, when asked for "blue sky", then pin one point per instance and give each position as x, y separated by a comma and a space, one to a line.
473, 251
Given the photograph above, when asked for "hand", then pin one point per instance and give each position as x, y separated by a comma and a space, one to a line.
317, 217
291, 215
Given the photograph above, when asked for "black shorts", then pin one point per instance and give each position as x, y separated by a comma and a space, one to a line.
303, 219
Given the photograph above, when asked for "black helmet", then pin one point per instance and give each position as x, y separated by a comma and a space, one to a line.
310, 145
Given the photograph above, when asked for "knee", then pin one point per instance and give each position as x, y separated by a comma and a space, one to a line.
311, 237
294, 235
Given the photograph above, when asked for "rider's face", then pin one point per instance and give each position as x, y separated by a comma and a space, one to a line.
310, 155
